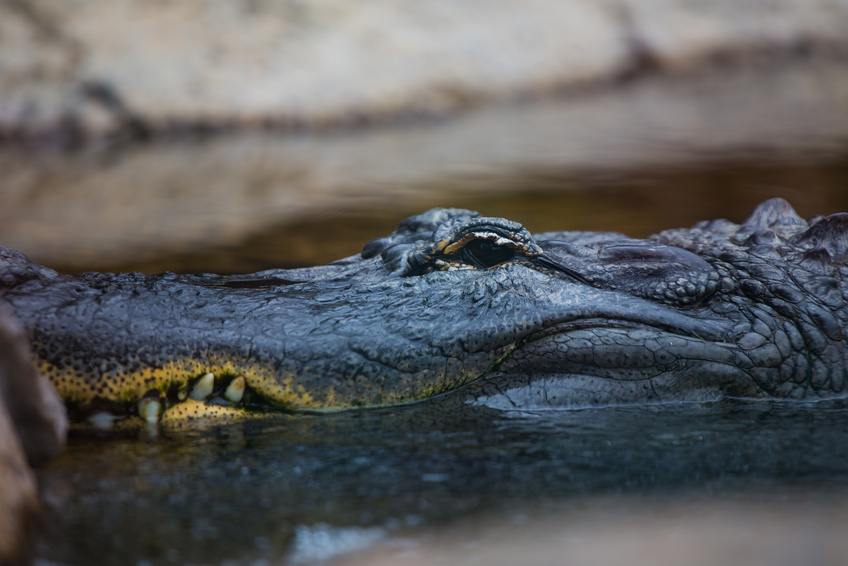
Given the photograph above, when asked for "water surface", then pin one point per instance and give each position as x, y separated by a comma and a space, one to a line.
301, 488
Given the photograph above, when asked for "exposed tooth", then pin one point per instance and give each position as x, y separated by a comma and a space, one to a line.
203, 387
150, 409
102, 420
235, 390
182, 394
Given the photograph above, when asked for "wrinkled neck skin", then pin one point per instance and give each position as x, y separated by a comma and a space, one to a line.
454, 305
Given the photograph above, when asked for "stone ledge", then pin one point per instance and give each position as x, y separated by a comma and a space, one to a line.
100, 66
32, 429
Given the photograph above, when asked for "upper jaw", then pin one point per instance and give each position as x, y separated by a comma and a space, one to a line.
614, 309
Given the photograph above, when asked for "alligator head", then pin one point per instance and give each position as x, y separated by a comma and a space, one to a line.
460, 303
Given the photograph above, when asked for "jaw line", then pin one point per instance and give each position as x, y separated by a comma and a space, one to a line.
655, 317
566, 301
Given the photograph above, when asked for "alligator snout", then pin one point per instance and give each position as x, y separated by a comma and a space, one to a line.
455, 304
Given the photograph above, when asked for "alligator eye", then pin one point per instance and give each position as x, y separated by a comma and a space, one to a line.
483, 254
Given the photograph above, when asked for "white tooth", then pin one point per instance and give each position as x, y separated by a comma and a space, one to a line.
149, 409
235, 390
182, 394
102, 420
203, 387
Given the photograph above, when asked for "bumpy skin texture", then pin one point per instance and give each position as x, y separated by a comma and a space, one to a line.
455, 302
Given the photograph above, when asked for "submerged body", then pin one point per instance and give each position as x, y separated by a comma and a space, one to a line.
458, 304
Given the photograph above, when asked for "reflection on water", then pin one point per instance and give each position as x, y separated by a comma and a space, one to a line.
638, 203
303, 488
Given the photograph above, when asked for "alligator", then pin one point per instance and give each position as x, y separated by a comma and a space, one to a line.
455, 305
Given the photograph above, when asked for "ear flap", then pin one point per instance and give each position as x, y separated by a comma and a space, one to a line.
778, 215
829, 234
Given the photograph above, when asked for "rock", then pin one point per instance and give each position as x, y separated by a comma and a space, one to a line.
680, 33
18, 494
89, 66
32, 429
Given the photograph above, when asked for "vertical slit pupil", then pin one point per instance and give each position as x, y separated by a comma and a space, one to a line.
483, 253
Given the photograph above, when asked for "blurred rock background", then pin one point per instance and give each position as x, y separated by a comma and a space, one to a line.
200, 135
33, 427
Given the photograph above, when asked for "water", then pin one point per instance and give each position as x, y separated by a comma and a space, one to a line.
296, 489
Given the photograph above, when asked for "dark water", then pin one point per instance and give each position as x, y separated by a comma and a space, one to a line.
297, 488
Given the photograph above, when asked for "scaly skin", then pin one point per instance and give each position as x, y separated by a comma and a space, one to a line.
453, 302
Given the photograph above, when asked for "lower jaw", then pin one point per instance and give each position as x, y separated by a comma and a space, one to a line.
580, 391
